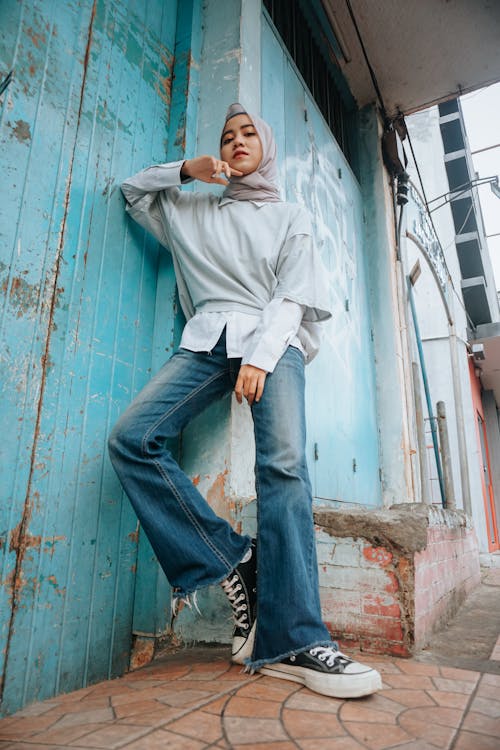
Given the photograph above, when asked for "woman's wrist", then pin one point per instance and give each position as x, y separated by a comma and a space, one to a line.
184, 173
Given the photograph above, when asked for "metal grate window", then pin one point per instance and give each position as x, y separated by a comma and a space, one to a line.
317, 71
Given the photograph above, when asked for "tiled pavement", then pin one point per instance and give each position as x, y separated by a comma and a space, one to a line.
195, 700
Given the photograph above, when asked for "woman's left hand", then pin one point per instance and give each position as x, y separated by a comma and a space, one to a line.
250, 384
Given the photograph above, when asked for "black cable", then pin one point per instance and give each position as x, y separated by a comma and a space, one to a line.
372, 72
384, 114
419, 178
5, 82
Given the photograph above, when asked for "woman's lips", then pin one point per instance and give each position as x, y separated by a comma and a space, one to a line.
239, 154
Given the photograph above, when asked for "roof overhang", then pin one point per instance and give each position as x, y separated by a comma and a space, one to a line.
489, 336
422, 52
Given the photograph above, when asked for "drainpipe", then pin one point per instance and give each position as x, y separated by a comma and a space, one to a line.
419, 419
459, 412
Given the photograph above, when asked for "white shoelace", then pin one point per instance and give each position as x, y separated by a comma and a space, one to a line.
328, 655
240, 614
191, 600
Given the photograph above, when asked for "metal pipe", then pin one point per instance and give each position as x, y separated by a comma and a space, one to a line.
444, 442
427, 393
419, 419
460, 420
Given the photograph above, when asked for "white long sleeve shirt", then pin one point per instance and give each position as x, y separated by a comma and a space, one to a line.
258, 340
244, 265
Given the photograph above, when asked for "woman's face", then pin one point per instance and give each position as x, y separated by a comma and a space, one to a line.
240, 144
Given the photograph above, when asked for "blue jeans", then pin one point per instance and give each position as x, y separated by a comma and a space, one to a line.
193, 545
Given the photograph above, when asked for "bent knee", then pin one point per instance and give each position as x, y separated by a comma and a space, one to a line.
126, 438
119, 441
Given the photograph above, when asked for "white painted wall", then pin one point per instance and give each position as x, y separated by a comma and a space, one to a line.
426, 139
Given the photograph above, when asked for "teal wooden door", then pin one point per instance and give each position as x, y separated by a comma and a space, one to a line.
89, 104
342, 445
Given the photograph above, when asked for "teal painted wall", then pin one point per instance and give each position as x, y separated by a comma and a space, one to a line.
87, 305
341, 401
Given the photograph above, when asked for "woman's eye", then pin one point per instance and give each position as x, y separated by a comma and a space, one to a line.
226, 140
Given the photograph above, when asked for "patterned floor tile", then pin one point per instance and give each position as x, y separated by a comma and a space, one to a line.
310, 725
199, 725
242, 731
470, 741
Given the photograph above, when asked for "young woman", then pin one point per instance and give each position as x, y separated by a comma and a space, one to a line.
252, 290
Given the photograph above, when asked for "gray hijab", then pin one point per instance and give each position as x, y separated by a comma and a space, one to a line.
261, 185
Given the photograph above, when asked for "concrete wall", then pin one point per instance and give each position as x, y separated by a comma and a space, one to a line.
392, 365
434, 330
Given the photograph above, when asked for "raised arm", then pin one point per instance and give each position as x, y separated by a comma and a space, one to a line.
209, 169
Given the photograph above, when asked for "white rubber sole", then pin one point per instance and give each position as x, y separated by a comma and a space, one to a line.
333, 685
242, 648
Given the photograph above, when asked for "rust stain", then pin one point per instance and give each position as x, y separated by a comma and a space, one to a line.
142, 652
30, 541
196, 480
163, 86
21, 540
21, 131
134, 535
36, 37
216, 496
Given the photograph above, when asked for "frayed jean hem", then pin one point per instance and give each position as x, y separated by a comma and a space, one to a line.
254, 666
179, 593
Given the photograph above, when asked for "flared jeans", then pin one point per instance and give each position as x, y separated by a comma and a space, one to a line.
193, 545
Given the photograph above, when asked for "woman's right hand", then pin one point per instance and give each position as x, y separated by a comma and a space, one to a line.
209, 169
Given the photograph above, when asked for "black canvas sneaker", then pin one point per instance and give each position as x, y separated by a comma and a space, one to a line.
327, 671
241, 589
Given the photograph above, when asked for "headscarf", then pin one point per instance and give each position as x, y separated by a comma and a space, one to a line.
261, 185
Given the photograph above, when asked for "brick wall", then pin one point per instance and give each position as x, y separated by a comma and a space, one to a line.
445, 572
389, 578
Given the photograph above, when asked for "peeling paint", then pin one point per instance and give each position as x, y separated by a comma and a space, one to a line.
53, 582
230, 55
21, 131
22, 295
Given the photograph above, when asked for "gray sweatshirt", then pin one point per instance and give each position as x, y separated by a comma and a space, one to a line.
232, 255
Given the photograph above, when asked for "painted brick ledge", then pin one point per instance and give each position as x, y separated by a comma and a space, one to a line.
391, 577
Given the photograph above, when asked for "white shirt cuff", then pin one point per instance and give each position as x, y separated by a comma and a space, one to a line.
278, 326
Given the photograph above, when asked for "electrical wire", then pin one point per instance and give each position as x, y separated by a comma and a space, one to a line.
365, 55
384, 114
